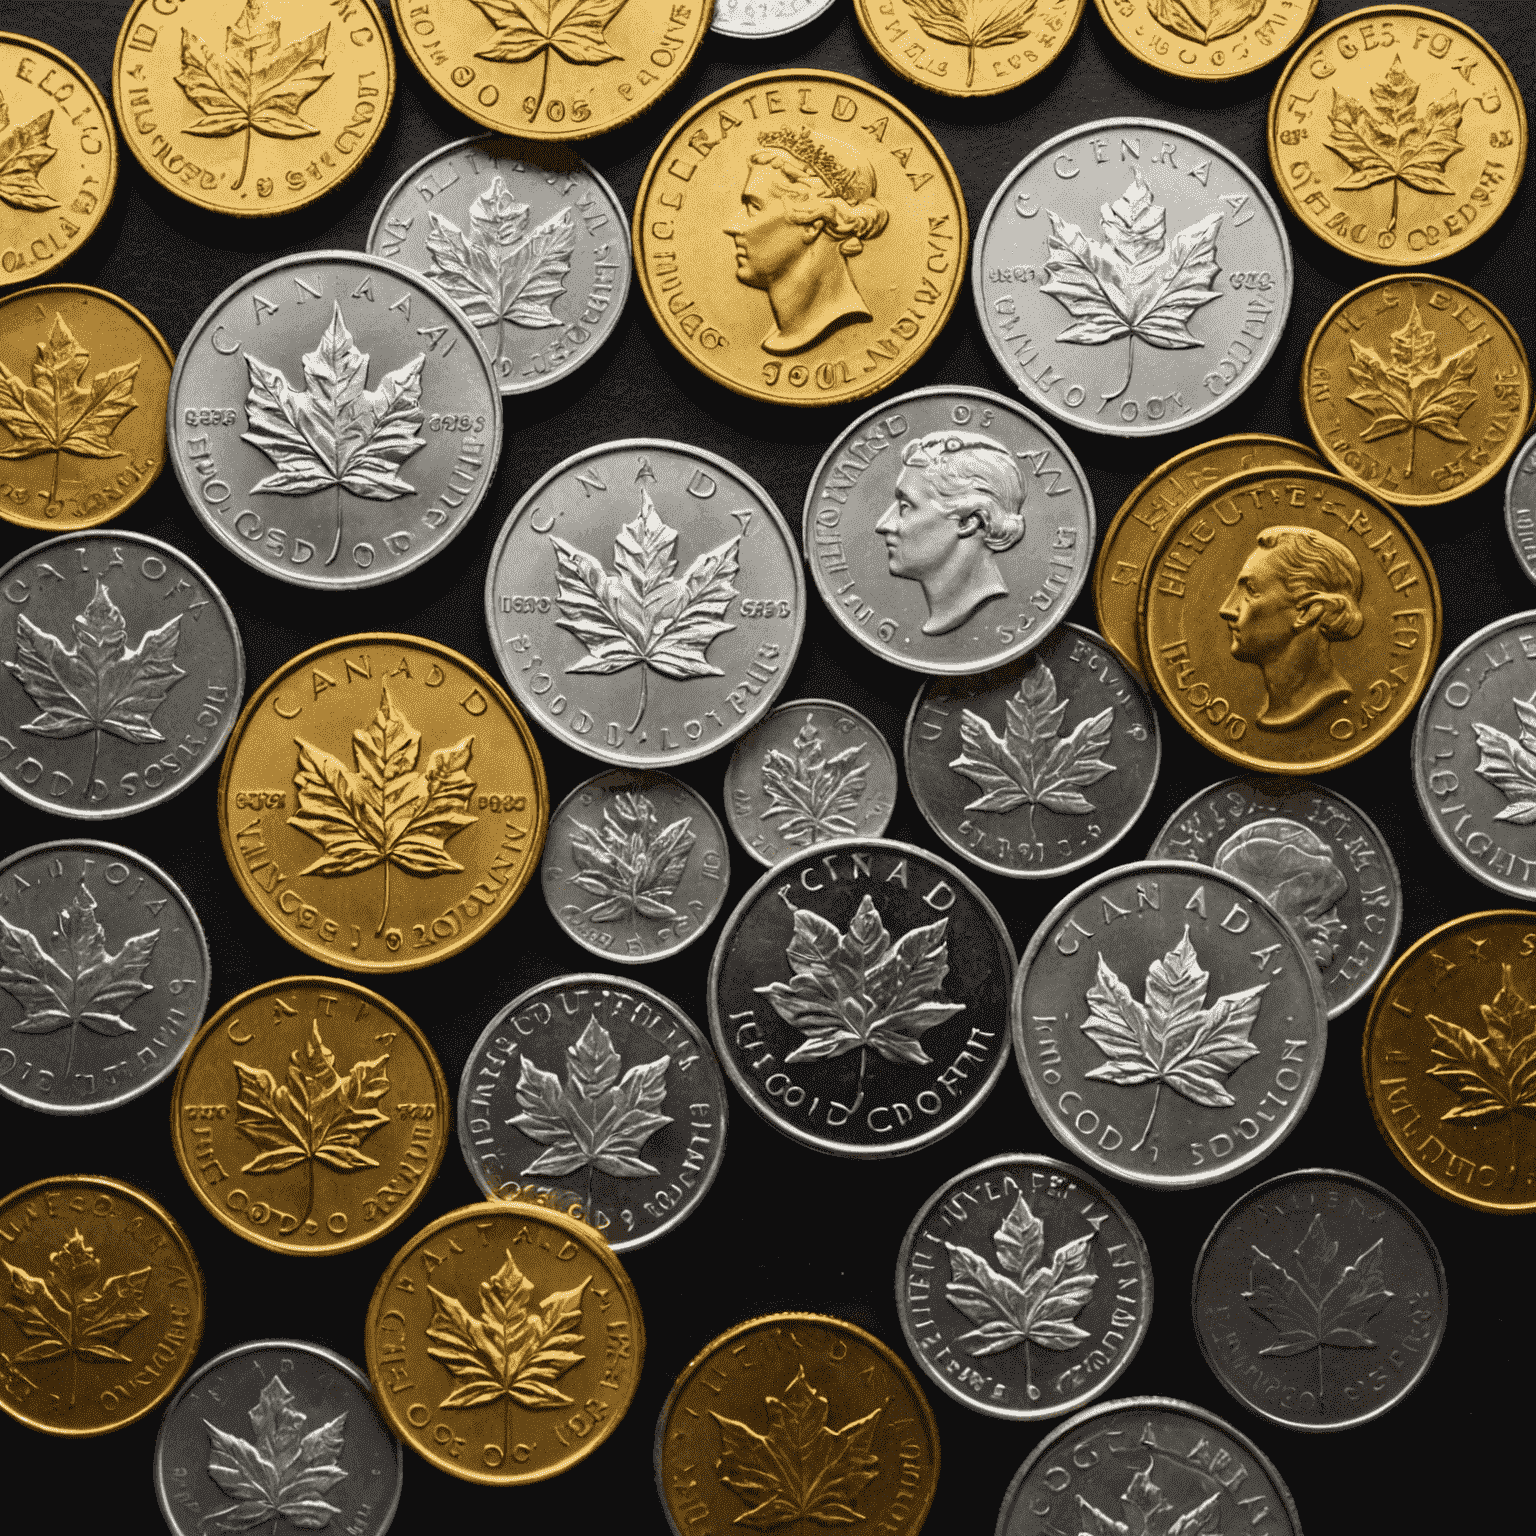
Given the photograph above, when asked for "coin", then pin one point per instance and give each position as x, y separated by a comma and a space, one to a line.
764, 18
895, 959
371, 419
851, 226
1397, 135
1520, 507
1205, 39
124, 672
1194, 264
640, 664
437, 745
108, 1305
1040, 767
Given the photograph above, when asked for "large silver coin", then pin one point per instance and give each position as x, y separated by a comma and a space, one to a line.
1045, 1263
333, 419
949, 530
764, 18
1169, 1025
645, 602
123, 672
527, 239
1132, 276
598, 1085
1040, 767
1520, 507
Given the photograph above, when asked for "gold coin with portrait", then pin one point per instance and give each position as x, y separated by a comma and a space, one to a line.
800, 237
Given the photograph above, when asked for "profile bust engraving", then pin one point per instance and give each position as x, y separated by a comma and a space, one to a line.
1295, 869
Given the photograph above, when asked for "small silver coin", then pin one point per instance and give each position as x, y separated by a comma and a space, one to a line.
1132, 276
333, 419
1319, 1300
1168, 1024
814, 770
1520, 507
1023, 1288
123, 672
636, 865
764, 18
603, 1087
949, 530
1039, 767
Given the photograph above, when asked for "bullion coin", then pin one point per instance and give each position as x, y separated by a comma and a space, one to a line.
1206, 40
1520, 507
750, 19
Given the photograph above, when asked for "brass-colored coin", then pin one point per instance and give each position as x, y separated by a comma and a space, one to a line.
106, 1305
505, 1343
1206, 39
252, 107
1417, 387
1288, 620
827, 198
1397, 135
382, 802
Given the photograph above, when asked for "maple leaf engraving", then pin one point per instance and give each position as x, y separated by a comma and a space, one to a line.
525, 29
971, 24
1144, 1503
24, 151
1510, 764
808, 792
1204, 21
631, 861
1495, 1073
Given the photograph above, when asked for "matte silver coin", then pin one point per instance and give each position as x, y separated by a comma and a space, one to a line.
645, 602
1520, 507
333, 419
1023, 1287
1039, 767
1169, 1025
123, 672
764, 18
858, 997
526, 238
1319, 1300
601, 1086
949, 530
1132, 276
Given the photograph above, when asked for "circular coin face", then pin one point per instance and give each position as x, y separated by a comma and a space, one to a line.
849, 298
1520, 507
1206, 40
764, 18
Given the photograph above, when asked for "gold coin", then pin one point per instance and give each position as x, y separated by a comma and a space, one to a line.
505, 1343
1397, 135
1206, 39
382, 802
1416, 387
106, 1305
252, 107
827, 198
1288, 620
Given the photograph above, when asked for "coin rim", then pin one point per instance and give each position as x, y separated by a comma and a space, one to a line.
1219, 78
1527, 446
822, 7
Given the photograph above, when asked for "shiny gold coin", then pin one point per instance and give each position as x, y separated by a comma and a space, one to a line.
1397, 135
310, 1115
1416, 387
505, 1343
1288, 620
252, 107
382, 802
1207, 39
829, 200
105, 1305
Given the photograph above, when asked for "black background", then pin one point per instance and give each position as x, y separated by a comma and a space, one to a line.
785, 1227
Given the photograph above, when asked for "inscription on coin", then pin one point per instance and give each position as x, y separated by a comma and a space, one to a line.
1520, 507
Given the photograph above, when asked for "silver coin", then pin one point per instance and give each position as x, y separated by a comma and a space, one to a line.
1132, 276
1520, 507
645, 602
1319, 1300
764, 18
273, 1430
1168, 1024
1032, 1252
858, 997
333, 419
636, 865
949, 530
1317, 857
123, 672
1039, 767
602, 1086
812, 771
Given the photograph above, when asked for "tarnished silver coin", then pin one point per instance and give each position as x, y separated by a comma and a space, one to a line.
812, 771
1132, 276
635, 866
858, 997
123, 672
1317, 857
1039, 767
764, 18
598, 1085
1023, 1287
1520, 507
1319, 1300
1169, 1025
333, 419
645, 602
949, 530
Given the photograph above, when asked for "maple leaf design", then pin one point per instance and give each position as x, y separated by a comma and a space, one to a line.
1510, 764
1144, 1503
1495, 1073
525, 29
1204, 21
808, 792
631, 861
24, 151
972, 25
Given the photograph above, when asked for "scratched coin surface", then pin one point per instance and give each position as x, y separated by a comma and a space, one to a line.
1206, 39
1520, 507
764, 18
